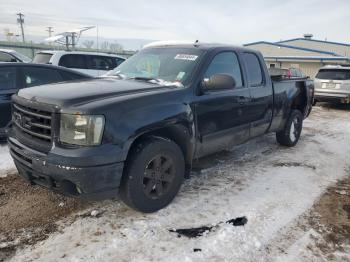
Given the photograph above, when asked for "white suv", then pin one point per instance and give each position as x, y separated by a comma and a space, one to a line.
94, 64
332, 83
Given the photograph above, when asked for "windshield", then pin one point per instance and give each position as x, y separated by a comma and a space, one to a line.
174, 65
22, 57
333, 74
42, 58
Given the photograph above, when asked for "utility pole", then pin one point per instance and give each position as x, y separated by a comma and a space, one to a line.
20, 20
49, 29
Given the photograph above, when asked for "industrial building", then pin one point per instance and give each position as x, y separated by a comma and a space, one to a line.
305, 53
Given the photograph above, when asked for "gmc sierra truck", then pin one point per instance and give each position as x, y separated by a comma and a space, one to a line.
135, 132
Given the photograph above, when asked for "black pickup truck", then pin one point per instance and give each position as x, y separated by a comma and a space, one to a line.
137, 131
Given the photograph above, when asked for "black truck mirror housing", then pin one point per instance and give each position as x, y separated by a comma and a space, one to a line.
218, 82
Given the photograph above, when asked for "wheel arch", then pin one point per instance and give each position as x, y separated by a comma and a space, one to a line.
179, 133
300, 100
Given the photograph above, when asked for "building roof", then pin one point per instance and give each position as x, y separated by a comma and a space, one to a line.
292, 47
312, 40
318, 58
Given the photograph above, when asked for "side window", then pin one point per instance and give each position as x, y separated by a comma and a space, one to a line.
34, 76
70, 76
254, 71
7, 57
118, 61
73, 61
225, 63
102, 63
7, 78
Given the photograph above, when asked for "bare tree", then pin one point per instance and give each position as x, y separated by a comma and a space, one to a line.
115, 47
104, 45
88, 43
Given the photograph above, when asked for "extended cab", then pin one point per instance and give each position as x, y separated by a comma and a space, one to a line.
138, 131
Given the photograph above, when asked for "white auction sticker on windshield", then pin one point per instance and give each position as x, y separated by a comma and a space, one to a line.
186, 57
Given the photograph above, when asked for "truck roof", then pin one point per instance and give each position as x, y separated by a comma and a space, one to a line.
196, 44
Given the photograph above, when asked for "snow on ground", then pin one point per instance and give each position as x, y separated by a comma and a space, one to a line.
6, 162
269, 184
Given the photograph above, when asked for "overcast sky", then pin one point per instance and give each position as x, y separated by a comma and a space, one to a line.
226, 21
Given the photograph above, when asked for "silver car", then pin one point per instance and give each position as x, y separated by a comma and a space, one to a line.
332, 83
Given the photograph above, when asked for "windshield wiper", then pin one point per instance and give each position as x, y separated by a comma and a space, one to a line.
157, 80
143, 78
120, 76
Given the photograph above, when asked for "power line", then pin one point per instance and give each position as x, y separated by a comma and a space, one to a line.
20, 20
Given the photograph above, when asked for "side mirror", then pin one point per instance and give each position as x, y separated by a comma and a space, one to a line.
218, 82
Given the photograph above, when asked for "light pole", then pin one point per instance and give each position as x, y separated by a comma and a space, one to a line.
49, 29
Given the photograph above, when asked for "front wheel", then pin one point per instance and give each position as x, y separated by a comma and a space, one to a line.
154, 174
290, 135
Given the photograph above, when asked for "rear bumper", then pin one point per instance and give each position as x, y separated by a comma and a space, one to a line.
93, 181
321, 95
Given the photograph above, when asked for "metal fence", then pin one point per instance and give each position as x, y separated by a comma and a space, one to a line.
29, 49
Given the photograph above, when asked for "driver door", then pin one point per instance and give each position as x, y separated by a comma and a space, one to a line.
220, 114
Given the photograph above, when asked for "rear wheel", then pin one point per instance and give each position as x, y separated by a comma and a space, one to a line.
154, 173
290, 135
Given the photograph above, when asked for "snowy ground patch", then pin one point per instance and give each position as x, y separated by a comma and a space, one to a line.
270, 185
6, 163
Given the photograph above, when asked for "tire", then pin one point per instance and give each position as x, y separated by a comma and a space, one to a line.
153, 176
290, 135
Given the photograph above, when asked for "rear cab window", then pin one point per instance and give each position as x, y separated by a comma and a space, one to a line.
254, 69
7, 78
42, 58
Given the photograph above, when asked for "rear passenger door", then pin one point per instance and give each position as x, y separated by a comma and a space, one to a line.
9, 85
260, 107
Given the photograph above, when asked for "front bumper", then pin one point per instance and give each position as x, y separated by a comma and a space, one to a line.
79, 177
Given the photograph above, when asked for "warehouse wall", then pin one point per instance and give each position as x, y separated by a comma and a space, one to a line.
339, 49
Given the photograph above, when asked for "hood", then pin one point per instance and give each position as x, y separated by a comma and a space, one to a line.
85, 91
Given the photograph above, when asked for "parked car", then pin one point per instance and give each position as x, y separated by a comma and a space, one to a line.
94, 64
286, 72
15, 76
140, 130
332, 83
8, 55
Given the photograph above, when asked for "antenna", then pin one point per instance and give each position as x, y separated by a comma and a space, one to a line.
20, 20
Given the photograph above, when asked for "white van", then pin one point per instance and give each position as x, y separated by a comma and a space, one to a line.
94, 64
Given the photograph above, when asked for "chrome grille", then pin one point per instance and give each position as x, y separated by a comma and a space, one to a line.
33, 122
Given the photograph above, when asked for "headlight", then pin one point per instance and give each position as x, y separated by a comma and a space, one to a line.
85, 130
